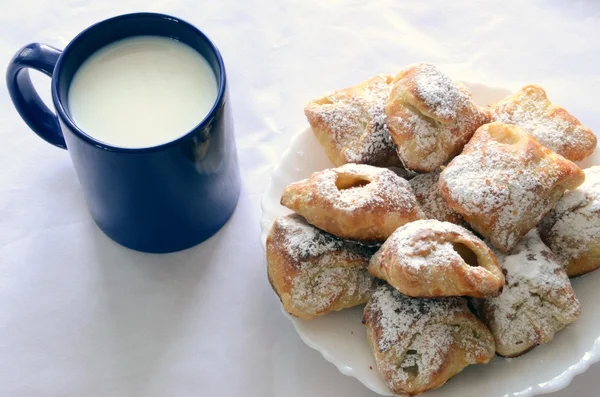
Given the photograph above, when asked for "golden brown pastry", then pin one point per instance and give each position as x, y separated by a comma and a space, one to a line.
429, 258
427, 191
551, 125
430, 118
350, 124
421, 343
537, 301
354, 201
572, 228
504, 182
313, 272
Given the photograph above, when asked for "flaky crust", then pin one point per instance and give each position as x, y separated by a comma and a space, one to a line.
427, 191
504, 182
572, 228
429, 258
537, 301
354, 201
314, 273
430, 117
421, 343
350, 124
550, 124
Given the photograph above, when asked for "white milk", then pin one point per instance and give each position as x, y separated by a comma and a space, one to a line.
142, 91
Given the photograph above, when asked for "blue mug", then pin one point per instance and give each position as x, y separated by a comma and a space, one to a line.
157, 199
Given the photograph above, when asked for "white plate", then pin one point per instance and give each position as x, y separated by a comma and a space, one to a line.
341, 339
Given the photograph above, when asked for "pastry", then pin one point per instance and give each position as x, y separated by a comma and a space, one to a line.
403, 173
572, 228
551, 125
350, 124
421, 343
430, 118
504, 182
429, 258
355, 201
427, 191
313, 272
537, 300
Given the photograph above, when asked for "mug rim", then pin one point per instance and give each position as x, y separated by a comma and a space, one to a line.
65, 118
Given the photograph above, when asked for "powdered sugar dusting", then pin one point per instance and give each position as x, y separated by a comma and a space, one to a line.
305, 241
316, 288
420, 245
357, 121
427, 192
430, 117
574, 222
416, 335
537, 301
549, 131
386, 189
502, 191
400, 316
328, 271
551, 126
428, 139
430, 258
439, 92
355, 201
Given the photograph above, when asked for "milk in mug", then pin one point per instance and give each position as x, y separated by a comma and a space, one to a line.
141, 92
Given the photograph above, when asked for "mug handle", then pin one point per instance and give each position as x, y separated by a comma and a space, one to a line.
32, 109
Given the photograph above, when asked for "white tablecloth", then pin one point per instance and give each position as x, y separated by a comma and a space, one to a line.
82, 316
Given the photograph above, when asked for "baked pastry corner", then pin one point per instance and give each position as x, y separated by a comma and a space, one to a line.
572, 228
430, 117
551, 125
537, 301
315, 273
421, 343
350, 124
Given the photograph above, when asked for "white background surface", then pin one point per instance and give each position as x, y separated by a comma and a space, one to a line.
82, 316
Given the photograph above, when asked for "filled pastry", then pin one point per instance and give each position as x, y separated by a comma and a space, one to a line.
354, 201
429, 258
350, 124
504, 182
537, 301
421, 343
430, 117
572, 228
313, 272
427, 191
551, 125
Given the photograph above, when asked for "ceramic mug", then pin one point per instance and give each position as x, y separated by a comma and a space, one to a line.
157, 199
